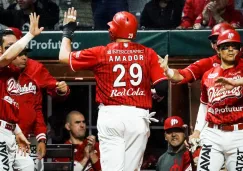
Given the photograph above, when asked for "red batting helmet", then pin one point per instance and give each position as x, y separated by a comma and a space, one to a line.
219, 28
124, 25
228, 36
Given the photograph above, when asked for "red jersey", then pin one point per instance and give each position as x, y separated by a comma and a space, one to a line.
229, 14
196, 70
9, 94
34, 78
223, 107
79, 155
192, 9
123, 72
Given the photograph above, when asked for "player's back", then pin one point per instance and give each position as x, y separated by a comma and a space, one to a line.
124, 73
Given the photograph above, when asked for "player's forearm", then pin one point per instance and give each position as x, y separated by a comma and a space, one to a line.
94, 157
174, 75
84, 161
201, 118
12, 52
239, 82
65, 50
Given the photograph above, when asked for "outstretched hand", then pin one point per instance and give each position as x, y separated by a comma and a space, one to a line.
34, 24
163, 62
69, 16
227, 83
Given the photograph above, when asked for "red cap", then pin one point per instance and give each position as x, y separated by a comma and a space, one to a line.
17, 32
173, 122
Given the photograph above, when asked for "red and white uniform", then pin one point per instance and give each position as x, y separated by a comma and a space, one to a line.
223, 107
9, 109
79, 155
32, 80
196, 70
123, 72
229, 14
221, 136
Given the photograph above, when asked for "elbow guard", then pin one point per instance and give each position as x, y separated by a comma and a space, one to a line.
161, 88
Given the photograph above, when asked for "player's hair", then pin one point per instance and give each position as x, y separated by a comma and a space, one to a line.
74, 112
5, 33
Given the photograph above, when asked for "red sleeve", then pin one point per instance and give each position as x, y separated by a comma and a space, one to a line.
204, 94
44, 79
196, 70
47, 81
199, 19
40, 126
187, 162
84, 59
187, 15
156, 73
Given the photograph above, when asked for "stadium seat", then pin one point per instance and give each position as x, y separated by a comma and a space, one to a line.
59, 151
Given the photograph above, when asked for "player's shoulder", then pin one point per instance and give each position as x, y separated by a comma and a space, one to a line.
34, 63
240, 62
96, 48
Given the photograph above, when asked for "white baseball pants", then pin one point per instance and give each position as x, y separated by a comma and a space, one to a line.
123, 133
7, 149
221, 147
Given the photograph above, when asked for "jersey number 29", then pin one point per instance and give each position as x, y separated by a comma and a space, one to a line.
136, 77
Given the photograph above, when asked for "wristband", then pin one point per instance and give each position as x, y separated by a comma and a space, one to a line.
17, 129
169, 73
68, 30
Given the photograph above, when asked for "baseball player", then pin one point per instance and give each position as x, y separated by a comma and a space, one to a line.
220, 116
86, 149
33, 77
177, 156
196, 70
10, 97
123, 71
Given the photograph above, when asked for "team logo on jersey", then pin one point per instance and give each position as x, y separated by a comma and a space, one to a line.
125, 45
12, 86
215, 64
217, 94
27, 88
174, 122
213, 75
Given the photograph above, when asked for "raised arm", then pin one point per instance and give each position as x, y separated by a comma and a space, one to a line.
12, 52
69, 26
